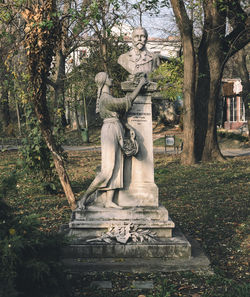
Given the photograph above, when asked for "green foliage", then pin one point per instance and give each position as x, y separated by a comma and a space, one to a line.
165, 289
35, 155
151, 6
233, 136
36, 158
5, 14
29, 259
82, 77
8, 183
169, 77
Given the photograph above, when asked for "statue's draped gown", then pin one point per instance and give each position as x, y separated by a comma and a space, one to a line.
112, 135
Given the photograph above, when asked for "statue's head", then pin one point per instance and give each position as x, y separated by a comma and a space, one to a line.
100, 79
139, 37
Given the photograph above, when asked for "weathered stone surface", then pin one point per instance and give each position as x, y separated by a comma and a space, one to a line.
139, 60
170, 248
137, 285
197, 262
94, 221
93, 213
139, 185
128, 86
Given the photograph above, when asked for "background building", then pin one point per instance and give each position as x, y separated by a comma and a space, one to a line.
234, 110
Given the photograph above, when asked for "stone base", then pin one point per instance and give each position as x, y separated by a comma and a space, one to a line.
94, 221
142, 194
77, 262
169, 248
87, 226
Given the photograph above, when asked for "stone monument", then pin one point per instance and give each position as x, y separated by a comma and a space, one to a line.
119, 214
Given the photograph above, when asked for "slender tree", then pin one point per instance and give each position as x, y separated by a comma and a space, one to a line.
74, 25
5, 81
42, 35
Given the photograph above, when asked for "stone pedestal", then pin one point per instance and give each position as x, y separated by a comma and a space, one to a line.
139, 186
92, 223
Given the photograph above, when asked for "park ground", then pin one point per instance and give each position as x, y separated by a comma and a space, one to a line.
209, 202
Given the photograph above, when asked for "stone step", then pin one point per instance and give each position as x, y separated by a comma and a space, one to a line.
196, 262
93, 213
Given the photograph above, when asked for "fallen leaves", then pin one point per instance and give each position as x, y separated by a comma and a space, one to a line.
213, 209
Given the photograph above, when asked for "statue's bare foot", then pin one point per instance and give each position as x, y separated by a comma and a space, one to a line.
80, 206
112, 205
82, 203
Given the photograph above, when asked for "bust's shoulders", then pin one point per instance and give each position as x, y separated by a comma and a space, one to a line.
125, 55
151, 54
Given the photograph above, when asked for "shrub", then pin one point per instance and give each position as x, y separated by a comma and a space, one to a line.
233, 136
36, 158
29, 259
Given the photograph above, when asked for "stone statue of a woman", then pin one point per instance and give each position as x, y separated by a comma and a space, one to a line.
110, 177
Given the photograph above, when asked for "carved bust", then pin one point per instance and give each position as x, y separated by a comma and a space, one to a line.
139, 59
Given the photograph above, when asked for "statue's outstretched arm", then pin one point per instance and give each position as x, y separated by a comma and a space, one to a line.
143, 82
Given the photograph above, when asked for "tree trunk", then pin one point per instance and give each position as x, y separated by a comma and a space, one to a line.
215, 24
18, 118
247, 115
201, 98
103, 50
85, 112
78, 127
4, 106
186, 29
244, 75
60, 86
188, 153
211, 151
45, 125
4, 99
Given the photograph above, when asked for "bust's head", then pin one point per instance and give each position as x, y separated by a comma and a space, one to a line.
139, 38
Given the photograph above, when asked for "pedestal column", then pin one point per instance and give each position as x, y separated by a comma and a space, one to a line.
139, 186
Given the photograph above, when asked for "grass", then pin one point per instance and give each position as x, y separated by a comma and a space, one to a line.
232, 140
160, 142
225, 140
208, 201
73, 137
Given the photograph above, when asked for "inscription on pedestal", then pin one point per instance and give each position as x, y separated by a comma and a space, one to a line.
139, 187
